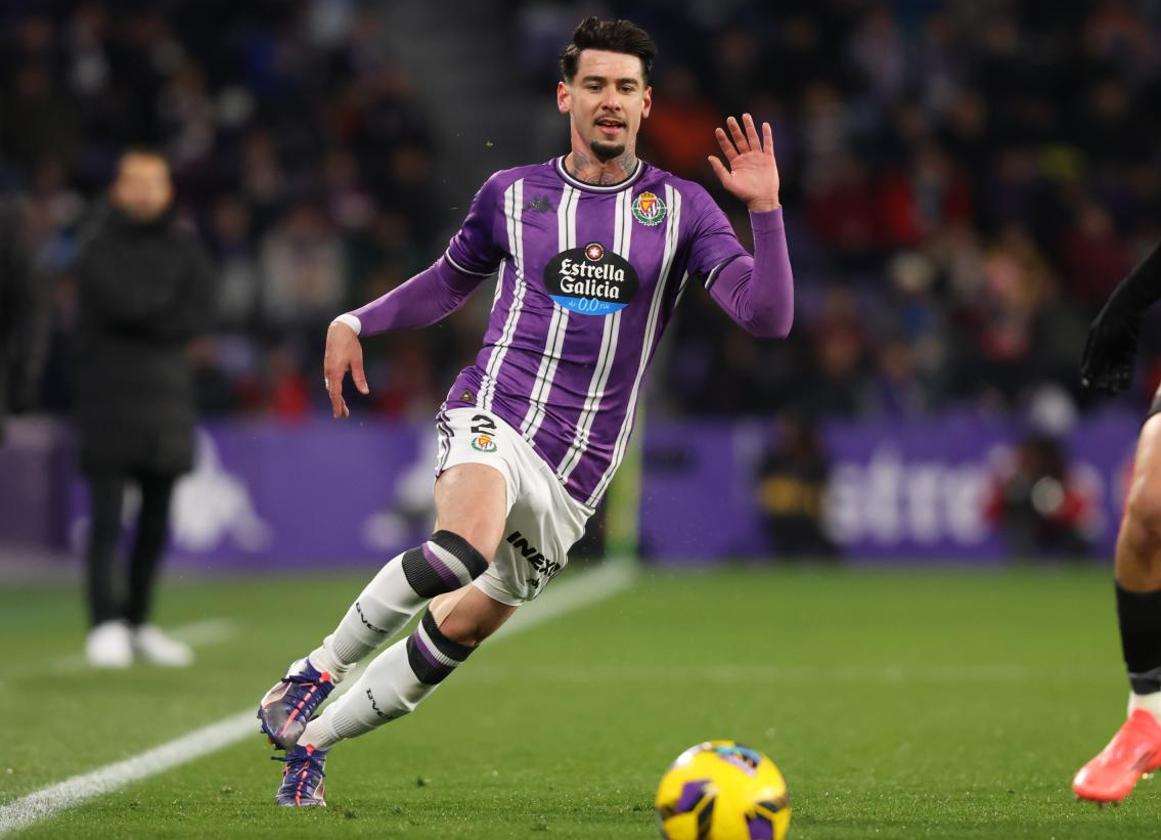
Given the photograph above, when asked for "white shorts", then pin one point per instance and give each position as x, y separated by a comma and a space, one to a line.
543, 522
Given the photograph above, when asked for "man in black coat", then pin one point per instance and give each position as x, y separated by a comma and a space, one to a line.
146, 290
23, 325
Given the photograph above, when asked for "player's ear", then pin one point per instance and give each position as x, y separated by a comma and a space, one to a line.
647, 98
563, 98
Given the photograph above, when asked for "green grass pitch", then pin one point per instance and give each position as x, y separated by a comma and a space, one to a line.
903, 704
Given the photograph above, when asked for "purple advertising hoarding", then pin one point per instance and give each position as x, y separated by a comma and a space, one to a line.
307, 495
910, 492
321, 493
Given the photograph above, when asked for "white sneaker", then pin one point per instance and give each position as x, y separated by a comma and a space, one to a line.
151, 645
108, 645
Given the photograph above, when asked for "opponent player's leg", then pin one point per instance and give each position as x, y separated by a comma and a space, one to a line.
471, 505
1136, 748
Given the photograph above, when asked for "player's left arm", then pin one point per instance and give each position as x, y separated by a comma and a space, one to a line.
756, 292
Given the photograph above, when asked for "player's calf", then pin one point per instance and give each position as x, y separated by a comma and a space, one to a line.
1136, 748
1138, 558
445, 562
1138, 574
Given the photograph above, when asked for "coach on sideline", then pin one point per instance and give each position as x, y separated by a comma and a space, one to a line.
146, 289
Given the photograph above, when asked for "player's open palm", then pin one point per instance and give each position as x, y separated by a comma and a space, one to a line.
343, 353
749, 172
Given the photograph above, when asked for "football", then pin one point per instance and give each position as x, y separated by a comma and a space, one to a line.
723, 790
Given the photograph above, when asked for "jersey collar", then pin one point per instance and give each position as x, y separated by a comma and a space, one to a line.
609, 188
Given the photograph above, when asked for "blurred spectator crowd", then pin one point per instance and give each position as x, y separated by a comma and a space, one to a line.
298, 150
964, 182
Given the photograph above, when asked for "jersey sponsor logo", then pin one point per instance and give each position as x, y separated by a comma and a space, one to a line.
649, 209
538, 204
545, 567
590, 280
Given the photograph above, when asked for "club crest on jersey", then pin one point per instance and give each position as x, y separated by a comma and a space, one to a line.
648, 209
590, 280
483, 443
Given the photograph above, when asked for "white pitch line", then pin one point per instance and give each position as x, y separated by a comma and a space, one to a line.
51, 800
209, 631
566, 596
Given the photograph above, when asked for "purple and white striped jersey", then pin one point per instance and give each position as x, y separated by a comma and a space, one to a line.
588, 279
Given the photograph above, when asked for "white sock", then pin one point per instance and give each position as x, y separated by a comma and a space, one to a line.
1149, 702
391, 687
387, 690
382, 608
444, 563
324, 660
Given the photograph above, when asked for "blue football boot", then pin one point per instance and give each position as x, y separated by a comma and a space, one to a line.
289, 705
302, 778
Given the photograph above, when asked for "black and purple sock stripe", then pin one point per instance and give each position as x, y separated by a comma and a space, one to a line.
442, 564
433, 655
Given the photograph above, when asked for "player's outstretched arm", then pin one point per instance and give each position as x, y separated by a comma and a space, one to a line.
343, 353
750, 172
422, 301
1111, 350
431, 295
756, 292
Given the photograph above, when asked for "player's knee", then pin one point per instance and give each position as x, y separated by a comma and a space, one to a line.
445, 562
1143, 509
480, 537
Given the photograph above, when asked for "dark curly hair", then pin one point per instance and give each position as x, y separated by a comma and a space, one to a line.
621, 36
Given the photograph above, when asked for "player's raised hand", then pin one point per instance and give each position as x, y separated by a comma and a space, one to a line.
750, 172
343, 353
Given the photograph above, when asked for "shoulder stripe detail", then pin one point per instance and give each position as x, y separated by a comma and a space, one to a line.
513, 211
672, 231
462, 270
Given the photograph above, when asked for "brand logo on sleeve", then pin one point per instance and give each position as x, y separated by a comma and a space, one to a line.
590, 280
648, 209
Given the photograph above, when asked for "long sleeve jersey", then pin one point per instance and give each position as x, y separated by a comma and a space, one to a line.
587, 279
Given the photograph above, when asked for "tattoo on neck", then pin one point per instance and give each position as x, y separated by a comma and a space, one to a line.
602, 173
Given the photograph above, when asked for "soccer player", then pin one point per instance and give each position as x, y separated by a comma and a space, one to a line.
593, 250
1108, 363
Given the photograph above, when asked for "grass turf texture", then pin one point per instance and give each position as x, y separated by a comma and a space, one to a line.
898, 704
